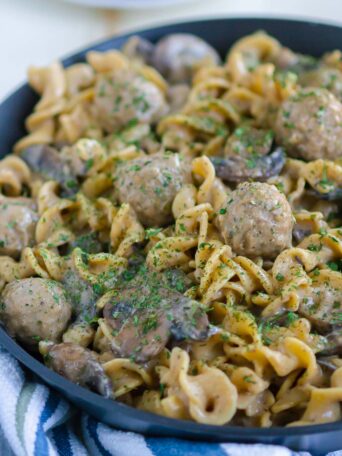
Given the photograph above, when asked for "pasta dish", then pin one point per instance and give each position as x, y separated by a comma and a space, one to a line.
170, 229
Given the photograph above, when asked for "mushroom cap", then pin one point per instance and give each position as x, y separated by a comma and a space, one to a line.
176, 55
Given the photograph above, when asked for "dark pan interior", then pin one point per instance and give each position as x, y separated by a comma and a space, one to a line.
305, 37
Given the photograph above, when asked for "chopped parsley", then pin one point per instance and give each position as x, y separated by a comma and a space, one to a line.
151, 232
315, 247
248, 379
335, 265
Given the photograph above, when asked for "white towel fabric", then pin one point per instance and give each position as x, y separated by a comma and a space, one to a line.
36, 421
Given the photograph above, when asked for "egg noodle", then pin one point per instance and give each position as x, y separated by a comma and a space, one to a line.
170, 229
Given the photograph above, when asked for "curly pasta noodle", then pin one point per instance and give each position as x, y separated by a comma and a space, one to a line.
14, 174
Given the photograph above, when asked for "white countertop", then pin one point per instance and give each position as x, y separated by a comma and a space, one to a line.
39, 31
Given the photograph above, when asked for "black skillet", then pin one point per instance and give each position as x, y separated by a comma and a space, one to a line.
302, 36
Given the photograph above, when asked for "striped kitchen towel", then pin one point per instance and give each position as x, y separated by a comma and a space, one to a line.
36, 421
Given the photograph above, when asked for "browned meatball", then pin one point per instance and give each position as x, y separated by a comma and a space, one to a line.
124, 97
329, 78
18, 218
150, 185
34, 309
309, 125
257, 220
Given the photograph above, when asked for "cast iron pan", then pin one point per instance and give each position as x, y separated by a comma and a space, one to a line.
305, 37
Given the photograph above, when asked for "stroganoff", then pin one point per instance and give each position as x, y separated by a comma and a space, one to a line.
170, 230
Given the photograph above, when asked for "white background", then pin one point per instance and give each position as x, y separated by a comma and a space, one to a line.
39, 31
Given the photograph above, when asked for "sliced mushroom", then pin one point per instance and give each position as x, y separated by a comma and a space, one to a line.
299, 233
80, 366
320, 315
176, 55
324, 310
177, 280
146, 314
48, 162
326, 362
137, 333
259, 168
81, 295
334, 344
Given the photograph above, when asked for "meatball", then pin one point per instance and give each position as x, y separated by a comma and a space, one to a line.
257, 220
309, 125
18, 218
124, 97
34, 309
176, 55
150, 185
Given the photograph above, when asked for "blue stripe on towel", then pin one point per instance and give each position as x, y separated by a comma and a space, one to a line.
50, 407
41, 444
61, 439
92, 430
176, 447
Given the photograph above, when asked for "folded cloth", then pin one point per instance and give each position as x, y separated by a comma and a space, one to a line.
36, 421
